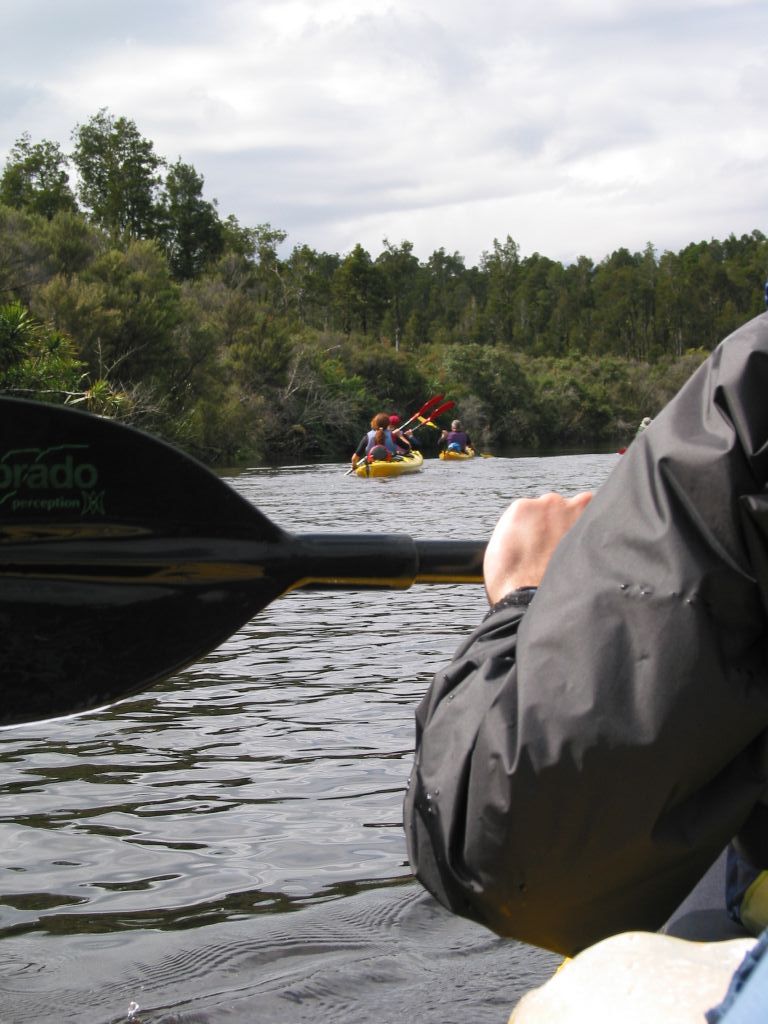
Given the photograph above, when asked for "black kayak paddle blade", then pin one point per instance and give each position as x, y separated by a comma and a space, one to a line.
122, 560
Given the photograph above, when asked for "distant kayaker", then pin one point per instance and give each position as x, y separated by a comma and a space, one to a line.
601, 738
456, 439
645, 422
377, 443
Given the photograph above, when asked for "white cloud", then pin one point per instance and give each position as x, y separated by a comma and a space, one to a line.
576, 127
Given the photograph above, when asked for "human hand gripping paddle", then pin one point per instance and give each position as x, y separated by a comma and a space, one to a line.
122, 560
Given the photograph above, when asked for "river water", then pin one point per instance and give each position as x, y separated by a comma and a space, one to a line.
228, 847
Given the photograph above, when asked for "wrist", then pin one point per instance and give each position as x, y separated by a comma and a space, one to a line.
521, 597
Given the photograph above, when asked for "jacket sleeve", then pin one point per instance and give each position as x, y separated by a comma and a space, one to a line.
579, 768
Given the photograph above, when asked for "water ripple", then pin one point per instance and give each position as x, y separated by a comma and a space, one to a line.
254, 800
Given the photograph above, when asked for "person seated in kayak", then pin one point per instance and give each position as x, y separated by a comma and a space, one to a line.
601, 739
404, 439
455, 439
377, 444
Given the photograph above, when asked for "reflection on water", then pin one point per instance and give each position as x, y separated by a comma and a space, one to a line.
229, 845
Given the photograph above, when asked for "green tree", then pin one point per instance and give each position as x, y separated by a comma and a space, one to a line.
123, 310
501, 267
35, 178
359, 292
192, 232
308, 277
259, 358
24, 253
574, 397
416, 329
447, 293
271, 285
238, 238
534, 302
621, 305
119, 175
400, 269
491, 387
560, 316
393, 381
251, 345
320, 405
72, 242
581, 276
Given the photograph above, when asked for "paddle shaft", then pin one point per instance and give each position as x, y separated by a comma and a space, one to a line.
324, 560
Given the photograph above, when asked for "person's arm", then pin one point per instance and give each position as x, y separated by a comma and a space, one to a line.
360, 450
580, 766
460, 698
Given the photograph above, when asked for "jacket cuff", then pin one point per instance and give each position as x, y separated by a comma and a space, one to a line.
520, 598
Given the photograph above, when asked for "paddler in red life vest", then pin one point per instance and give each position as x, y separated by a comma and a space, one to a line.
378, 444
455, 439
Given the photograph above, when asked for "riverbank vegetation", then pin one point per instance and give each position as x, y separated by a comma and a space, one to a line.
123, 290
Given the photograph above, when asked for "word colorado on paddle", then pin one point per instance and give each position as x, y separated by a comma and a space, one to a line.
36, 478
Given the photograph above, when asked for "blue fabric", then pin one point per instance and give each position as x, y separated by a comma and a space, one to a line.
388, 441
740, 874
460, 437
746, 1001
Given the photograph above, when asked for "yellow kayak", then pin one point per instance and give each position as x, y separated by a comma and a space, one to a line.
410, 463
469, 453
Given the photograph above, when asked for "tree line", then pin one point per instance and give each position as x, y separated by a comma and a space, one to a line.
124, 290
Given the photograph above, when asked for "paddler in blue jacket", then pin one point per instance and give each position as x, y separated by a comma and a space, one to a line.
602, 736
377, 443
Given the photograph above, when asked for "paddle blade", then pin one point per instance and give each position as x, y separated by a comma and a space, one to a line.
428, 421
445, 407
59, 465
111, 553
429, 404
75, 646
123, 560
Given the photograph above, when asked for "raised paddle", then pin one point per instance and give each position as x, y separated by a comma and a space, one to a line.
428, 421
430, 404
122, 560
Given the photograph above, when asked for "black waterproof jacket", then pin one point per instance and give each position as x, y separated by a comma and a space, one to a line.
579, 766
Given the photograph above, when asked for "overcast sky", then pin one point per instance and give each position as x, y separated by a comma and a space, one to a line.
575, 126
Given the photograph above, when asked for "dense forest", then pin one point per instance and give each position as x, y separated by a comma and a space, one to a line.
125, 292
